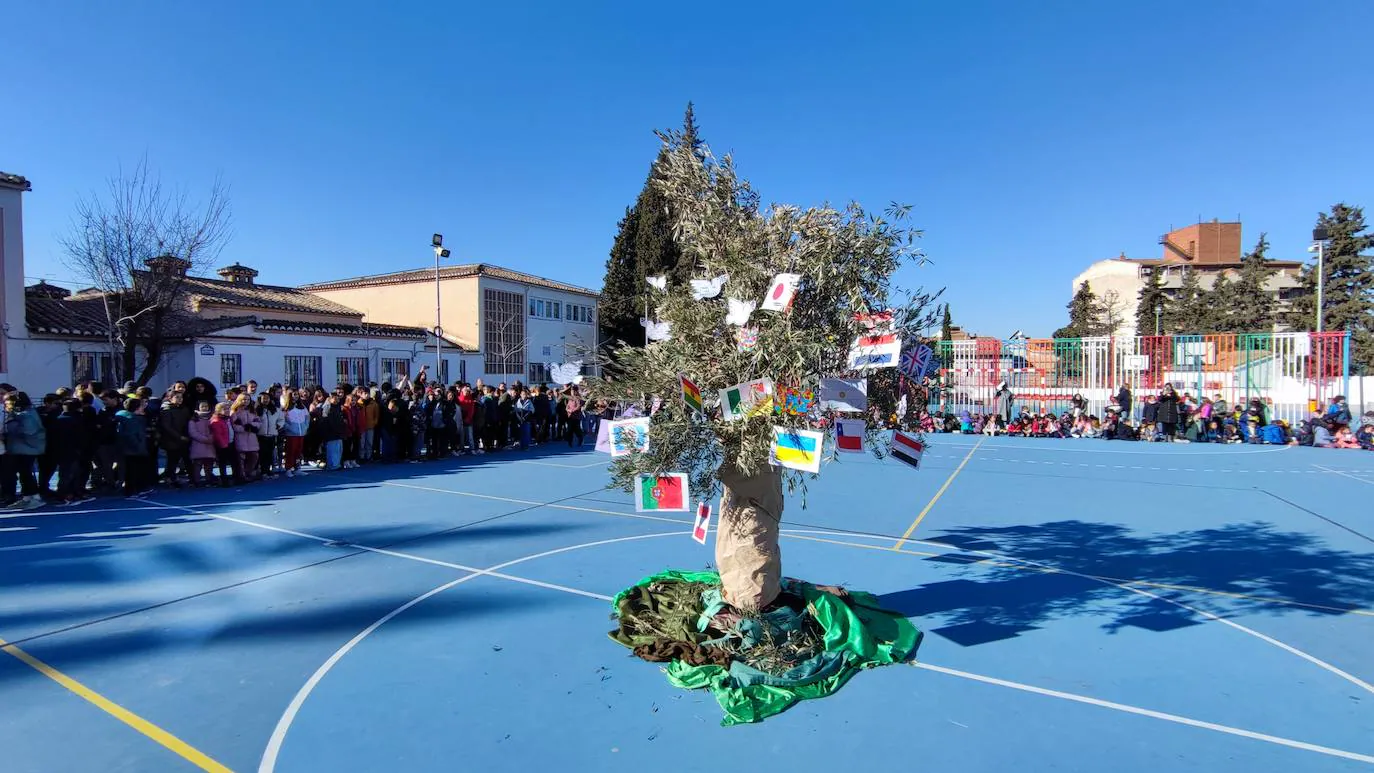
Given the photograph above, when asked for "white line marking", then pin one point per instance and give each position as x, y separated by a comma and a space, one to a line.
564, 466
1175, 718
1031, 447
533, 502
1346, 474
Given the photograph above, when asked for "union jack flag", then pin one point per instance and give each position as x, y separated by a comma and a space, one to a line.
916, 362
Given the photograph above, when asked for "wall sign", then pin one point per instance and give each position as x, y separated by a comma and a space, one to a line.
207, 350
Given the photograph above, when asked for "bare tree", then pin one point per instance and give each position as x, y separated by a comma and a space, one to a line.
1111, 310
506, 339
114, 235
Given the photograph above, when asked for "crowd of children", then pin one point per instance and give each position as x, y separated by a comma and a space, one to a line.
1167, 417
83, 441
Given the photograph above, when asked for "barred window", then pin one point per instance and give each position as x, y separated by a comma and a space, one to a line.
394, 368
351, 370
97, 367
230, 369
303, 372
539, 373
503, 322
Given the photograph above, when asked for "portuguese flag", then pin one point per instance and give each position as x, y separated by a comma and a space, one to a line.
666, 492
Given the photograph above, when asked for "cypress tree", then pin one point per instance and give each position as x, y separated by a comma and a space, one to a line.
1348, 294
1151, 295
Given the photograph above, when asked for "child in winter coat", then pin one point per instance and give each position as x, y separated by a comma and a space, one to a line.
222, 431
131, 432
202, 446
247, 424
1345, 439
294, 429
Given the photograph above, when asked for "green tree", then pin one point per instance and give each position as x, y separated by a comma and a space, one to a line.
1189, 313
1348, 292
1085, 315
1219, 307
1150, 297
1249, 302
846, 259
946, 344
644, 247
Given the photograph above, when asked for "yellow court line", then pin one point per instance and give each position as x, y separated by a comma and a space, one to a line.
912, 528
166, 739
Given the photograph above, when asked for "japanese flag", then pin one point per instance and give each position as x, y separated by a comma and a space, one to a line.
781, 292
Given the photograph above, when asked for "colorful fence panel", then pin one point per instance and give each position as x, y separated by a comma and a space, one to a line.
1291, 372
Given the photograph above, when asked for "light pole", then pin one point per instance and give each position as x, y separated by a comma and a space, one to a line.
437, 242
1319, 236
1159, 312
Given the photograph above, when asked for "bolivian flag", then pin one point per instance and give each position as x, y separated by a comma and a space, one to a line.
692, 395
797, 449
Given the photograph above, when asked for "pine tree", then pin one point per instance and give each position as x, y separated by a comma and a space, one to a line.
946, 339
1249, 302
644, 247
1150, 297
1189, 313
1084, 315
1219, 307
1348, 294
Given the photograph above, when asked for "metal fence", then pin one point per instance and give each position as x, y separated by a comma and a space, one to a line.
1292, 372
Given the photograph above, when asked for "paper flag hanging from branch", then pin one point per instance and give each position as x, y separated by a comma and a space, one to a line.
849, 435
844, 395
657, 282
747, 399
875, 351
629, 436
739, 312
708, 288
877, 322
797, 449
657, 331
661, 493
703, 524
781, 292
917, 362
691, 395
603, 437
907, 448
567, 373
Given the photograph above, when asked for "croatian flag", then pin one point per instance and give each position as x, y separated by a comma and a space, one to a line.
907, 448
849, 435
875, 351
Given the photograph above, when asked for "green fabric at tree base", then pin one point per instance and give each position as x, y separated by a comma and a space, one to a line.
857, 634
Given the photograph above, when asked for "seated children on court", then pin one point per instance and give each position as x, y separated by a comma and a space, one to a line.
1345, 439
1365, 436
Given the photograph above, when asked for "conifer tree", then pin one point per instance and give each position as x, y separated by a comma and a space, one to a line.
1189, 314
1248, 301
1084, 315
1150, 297
1348, 294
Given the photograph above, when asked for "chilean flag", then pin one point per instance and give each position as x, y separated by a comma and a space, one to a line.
906, 448
849, 435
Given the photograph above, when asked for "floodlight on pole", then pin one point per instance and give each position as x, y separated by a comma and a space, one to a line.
437, 242
1319, 235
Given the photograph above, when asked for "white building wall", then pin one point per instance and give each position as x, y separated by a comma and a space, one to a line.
11, 279
548, 341
1121, 276
265, 360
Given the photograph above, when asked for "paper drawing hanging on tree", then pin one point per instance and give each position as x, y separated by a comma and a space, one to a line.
703, 523
747, 339
629, 436
849, 435
691, 395
747, 399
566, 373
797, 449
708, 288
739, 311
907, 448
875, 351
781, 292
917, 362
657, 282
844, 395
603, 437
877, 322
661, 493
657, 331
796, 402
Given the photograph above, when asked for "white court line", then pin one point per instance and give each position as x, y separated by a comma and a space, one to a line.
1311, 747
1345, 474
564, 466
936, 444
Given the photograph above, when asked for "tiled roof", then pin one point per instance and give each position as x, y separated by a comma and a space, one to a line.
448, 272
86, 318
370, 329
257, 296
16, 181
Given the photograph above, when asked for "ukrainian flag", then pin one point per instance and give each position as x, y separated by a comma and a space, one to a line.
792, 449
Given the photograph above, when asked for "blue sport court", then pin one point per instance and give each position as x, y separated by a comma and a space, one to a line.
1087, 605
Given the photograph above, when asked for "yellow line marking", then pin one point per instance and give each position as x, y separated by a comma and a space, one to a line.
912, 528
166, 739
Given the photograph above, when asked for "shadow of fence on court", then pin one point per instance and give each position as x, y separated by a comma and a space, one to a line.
1254, 564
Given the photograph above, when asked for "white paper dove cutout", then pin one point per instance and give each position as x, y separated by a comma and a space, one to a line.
657, 331
739, 312
708, 288
567, 372
657, 282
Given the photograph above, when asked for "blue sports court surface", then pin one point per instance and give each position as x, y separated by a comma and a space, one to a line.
1088, 606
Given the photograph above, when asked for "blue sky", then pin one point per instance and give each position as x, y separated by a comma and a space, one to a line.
1031, 138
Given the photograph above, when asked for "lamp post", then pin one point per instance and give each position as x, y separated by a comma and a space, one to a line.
437, 242
1320, 236
1159, 312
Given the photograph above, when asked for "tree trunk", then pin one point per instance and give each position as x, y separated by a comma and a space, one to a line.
747, 551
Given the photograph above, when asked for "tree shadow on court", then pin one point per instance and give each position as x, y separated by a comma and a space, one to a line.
1255, 564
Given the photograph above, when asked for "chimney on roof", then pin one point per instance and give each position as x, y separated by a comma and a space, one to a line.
168, 265
238, 273
45, 290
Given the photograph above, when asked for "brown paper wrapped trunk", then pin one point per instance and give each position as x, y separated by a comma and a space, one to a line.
747, 551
